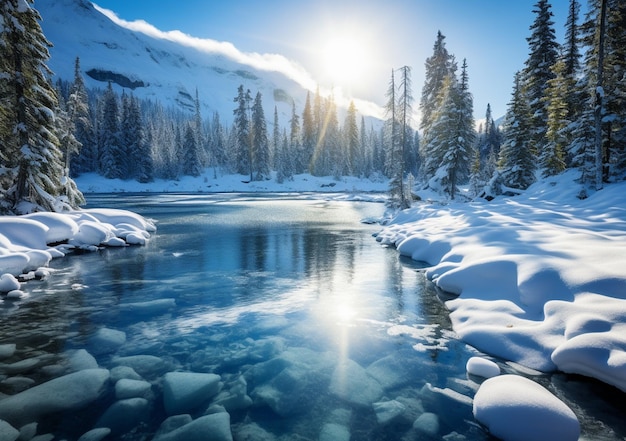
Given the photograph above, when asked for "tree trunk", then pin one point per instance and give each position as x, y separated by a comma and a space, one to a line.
599, 99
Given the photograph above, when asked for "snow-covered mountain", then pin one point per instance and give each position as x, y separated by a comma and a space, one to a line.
165, 66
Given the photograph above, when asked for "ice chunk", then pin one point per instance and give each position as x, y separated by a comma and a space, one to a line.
8, 282
70, 392
236, 397
184, 392
516, 408
351, 382
127, 388
482, 367
123, 415
8, 432
214, 427
120, 372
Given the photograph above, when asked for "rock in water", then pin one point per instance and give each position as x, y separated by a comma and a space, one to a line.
70, 392
214, 427
183, 392
515, 408
351, 382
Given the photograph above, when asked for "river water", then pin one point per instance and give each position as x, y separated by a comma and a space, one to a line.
316, 331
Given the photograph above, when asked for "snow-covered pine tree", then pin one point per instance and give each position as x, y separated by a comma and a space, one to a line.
191, 165
110, 152
552, 155
32, 166
453, 135
543, 53
393, 146
242, 127
138, 157
260, 142
80, 114
217, 151
309, 138
517, 162
351, 141
297, 153
438, 67
276, 140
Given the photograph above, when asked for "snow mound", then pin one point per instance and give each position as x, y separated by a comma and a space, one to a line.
25, 241
539, 277
482, 367
515, 408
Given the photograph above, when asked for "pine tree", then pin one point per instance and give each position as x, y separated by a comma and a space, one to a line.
438, 67
84, 160
109, 144
191, 165
394, 147
243, 163
517, 164
309, 138
260, 143
543, 54
552, 156
351, 141
32, 160
298, 156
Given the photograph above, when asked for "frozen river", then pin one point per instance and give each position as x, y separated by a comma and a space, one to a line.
314, 329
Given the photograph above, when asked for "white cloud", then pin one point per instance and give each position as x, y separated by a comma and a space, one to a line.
264, 62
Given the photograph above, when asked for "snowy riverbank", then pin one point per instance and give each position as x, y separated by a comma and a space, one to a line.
540, 277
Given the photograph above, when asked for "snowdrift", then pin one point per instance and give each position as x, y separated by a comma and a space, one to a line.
29, 242
540, 277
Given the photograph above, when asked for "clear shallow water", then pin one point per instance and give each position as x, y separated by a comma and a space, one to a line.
289, 296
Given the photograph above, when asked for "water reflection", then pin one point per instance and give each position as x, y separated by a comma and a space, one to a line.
292, 299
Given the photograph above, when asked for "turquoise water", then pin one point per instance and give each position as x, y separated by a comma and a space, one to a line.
316, 331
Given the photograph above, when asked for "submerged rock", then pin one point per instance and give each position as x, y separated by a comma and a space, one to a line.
351, 382
184, 392
123, 415
70, 392
214, 427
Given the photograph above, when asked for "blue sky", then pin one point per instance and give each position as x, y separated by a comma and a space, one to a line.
364, 39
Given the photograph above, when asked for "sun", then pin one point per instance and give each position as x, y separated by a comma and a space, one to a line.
346, 58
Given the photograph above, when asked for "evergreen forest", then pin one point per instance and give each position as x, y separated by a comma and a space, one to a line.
567, 110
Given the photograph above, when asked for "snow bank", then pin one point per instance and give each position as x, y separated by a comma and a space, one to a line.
213, 181
31, 241
539, 277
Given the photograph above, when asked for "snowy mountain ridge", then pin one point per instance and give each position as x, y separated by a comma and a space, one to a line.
169, 66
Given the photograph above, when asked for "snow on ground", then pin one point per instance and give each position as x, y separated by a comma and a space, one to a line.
540, 277
213, 181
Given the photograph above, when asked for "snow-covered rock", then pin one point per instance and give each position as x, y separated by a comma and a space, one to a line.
515, 408
69, 392
8, 282
184, 392
482, 367
60, 227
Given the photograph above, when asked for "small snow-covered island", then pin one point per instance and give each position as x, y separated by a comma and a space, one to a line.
199, 243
